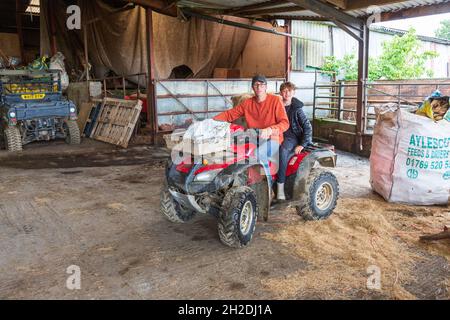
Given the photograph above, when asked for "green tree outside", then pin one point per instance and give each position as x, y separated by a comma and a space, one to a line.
402, 58
443, 31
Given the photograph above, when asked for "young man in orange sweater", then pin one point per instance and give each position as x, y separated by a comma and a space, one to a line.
263, 111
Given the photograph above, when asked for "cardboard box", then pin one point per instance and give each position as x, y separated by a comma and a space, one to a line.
223, 73
205, 147
174, 138
199, 147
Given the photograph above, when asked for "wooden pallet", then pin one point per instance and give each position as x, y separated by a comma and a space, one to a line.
116, 121
87, 122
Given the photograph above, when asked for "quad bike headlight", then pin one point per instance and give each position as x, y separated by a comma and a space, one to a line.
72, 110
12, 114
207, 176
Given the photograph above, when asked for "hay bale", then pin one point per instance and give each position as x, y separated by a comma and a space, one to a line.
240, 98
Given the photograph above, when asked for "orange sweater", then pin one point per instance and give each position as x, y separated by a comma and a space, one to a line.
268, 114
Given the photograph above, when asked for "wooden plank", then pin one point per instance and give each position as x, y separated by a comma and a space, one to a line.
130, 126
159, 6
340, 3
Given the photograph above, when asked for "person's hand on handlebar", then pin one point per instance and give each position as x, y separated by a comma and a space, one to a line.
298, 149
265, 133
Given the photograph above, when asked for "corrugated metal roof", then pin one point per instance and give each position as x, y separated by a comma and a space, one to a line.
221, 6
400, 32
401, 5
217, 4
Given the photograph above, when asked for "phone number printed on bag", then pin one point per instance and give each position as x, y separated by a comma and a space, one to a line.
427, 153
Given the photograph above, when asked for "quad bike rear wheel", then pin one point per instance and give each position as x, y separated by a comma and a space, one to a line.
171, 209
72, 131
13, 139
320, 196
237, 221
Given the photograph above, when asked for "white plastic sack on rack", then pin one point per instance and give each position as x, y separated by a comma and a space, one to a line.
410, 158
57, 63
207, 136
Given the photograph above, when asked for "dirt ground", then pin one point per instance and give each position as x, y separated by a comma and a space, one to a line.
97, 207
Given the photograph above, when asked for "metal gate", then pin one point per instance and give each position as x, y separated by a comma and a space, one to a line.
179, 102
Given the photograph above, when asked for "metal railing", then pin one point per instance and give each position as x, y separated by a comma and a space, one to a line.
340, 98
108, 83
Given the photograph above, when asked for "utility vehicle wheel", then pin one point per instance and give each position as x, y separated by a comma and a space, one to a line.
13, 139
320, 197
238, 220
171, 209
72, 131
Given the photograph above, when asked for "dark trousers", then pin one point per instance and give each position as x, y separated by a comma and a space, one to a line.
286, 149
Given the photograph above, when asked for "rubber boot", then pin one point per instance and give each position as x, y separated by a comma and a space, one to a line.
280, 191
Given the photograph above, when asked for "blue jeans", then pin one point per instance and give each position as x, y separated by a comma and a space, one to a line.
266, 150
286, 149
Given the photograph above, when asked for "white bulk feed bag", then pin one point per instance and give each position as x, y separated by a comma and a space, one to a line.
410, 158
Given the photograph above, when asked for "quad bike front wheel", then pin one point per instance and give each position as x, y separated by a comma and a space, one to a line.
13, 139
72, 131
320, 196
237, 221
171, 209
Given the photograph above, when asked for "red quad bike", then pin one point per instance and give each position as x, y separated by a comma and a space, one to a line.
235, 188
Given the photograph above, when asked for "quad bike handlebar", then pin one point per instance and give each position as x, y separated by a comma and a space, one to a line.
251, 136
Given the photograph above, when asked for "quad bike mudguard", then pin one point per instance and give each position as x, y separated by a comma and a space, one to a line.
326, 158
250, 175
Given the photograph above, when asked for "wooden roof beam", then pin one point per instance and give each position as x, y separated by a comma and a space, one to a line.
328, 11
342, 4
363, 4
161, 6
268, 18
263, 5
271, 11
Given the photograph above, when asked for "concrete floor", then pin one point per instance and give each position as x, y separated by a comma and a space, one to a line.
97, 207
